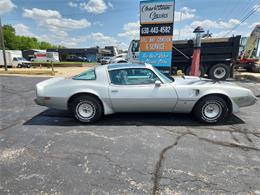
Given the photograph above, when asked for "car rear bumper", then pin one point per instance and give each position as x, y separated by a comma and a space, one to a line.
52, 102
39, 101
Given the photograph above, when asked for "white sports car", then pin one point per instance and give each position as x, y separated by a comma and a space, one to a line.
117, 88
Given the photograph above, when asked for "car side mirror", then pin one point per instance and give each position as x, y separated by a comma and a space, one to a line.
158, 83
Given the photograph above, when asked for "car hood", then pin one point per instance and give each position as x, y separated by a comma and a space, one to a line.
23, 61
191, 80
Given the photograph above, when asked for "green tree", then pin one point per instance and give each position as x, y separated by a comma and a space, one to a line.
14, 42
9, 37
45, 45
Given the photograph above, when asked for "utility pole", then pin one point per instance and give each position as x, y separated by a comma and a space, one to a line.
3, 44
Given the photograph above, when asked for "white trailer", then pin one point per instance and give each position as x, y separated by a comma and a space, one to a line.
46, 57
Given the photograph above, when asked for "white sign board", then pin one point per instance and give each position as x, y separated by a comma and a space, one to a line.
160, 11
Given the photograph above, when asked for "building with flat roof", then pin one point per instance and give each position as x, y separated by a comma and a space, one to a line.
93, 54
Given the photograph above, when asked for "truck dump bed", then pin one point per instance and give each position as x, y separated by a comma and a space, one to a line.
213, 51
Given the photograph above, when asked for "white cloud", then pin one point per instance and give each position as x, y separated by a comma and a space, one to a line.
183, 33
254, 25
54, 22
23, 30
210, 24
98, 23
185, 13
96, 39
92, 40
101, 40
218, 28
72, 4
96, 6
6, 6
72, 41
131, 30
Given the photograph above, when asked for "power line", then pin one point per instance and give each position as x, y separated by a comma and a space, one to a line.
255, 9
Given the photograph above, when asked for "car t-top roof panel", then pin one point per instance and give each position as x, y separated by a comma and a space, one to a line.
124, 66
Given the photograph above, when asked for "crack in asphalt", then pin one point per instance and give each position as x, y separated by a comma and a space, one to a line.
198, 180
243, 131
33, 154
246, 132
158, 167
234, 137
9, 90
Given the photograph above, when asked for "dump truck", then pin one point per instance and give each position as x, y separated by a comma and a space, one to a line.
218, 56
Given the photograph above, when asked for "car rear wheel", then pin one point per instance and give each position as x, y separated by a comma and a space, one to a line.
211, 109
86, 109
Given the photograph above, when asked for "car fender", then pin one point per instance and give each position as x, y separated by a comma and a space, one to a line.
235, 107
104, 100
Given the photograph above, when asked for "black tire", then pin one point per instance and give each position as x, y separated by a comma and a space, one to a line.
255, 68
92, 103
219, 72
28, 66
202, 71
19, 66
205, 107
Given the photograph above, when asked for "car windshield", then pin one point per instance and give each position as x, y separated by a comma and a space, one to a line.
22, 59
163, 77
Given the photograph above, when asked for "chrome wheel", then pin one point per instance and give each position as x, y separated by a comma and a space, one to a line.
212, 111
85, 110
219, 73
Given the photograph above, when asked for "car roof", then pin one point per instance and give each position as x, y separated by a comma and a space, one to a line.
125, 66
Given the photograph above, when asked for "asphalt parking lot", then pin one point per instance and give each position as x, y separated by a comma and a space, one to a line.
44, 151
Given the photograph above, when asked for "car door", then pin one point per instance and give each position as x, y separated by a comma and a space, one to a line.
134, 90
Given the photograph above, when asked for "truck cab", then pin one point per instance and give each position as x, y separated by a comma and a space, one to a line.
20, 62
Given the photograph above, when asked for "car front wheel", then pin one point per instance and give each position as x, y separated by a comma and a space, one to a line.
211, 109
86, 109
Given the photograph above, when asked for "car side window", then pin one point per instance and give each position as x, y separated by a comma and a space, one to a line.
87, 75
132, 76
15, 59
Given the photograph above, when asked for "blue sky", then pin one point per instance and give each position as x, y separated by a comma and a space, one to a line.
86, 23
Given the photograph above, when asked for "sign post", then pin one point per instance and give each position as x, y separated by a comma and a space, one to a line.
156, 33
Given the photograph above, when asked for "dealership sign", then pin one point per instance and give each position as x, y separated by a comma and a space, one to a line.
156, 31
157, 11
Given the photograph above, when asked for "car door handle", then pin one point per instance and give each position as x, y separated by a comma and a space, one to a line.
114, 91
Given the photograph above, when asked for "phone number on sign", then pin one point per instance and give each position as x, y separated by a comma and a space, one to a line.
156, 30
